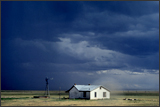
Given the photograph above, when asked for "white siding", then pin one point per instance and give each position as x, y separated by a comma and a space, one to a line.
99, 93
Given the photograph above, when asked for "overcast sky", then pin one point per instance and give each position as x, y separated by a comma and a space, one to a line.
109, 43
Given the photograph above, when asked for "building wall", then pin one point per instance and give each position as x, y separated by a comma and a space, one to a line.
74, 93
99, 93
87, 95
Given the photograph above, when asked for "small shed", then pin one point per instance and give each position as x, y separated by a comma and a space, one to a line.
88, 92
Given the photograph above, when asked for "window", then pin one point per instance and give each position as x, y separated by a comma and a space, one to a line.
104, 94
84, 94
95, 94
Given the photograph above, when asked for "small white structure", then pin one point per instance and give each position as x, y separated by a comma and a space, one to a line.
88, 92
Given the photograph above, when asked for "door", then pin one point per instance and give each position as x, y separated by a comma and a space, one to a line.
84, 94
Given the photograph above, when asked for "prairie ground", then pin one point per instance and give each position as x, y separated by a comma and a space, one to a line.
25, 98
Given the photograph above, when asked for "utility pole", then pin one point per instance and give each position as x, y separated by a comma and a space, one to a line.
59, 92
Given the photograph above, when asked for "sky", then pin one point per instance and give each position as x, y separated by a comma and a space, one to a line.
109, 43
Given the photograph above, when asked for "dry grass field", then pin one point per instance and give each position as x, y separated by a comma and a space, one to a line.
25, 98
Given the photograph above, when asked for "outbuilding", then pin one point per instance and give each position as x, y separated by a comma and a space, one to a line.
88, 92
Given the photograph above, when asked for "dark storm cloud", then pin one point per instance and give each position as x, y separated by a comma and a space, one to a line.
45, 20
38, 20
79, 39
129, 44
129, 8
112, 17
121, 32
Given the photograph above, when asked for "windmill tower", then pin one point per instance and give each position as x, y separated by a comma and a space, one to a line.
47, 86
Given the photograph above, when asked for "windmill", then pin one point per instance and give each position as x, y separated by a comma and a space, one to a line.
47, 86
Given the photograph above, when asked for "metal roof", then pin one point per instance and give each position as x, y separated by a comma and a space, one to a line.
86, 87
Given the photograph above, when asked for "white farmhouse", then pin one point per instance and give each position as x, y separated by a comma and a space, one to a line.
88, 92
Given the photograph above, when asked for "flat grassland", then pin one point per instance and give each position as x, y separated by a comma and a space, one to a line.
25, 98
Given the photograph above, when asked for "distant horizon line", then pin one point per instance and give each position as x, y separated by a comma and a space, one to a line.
65, 90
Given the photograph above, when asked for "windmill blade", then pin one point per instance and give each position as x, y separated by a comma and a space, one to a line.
51, 78
48, 78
